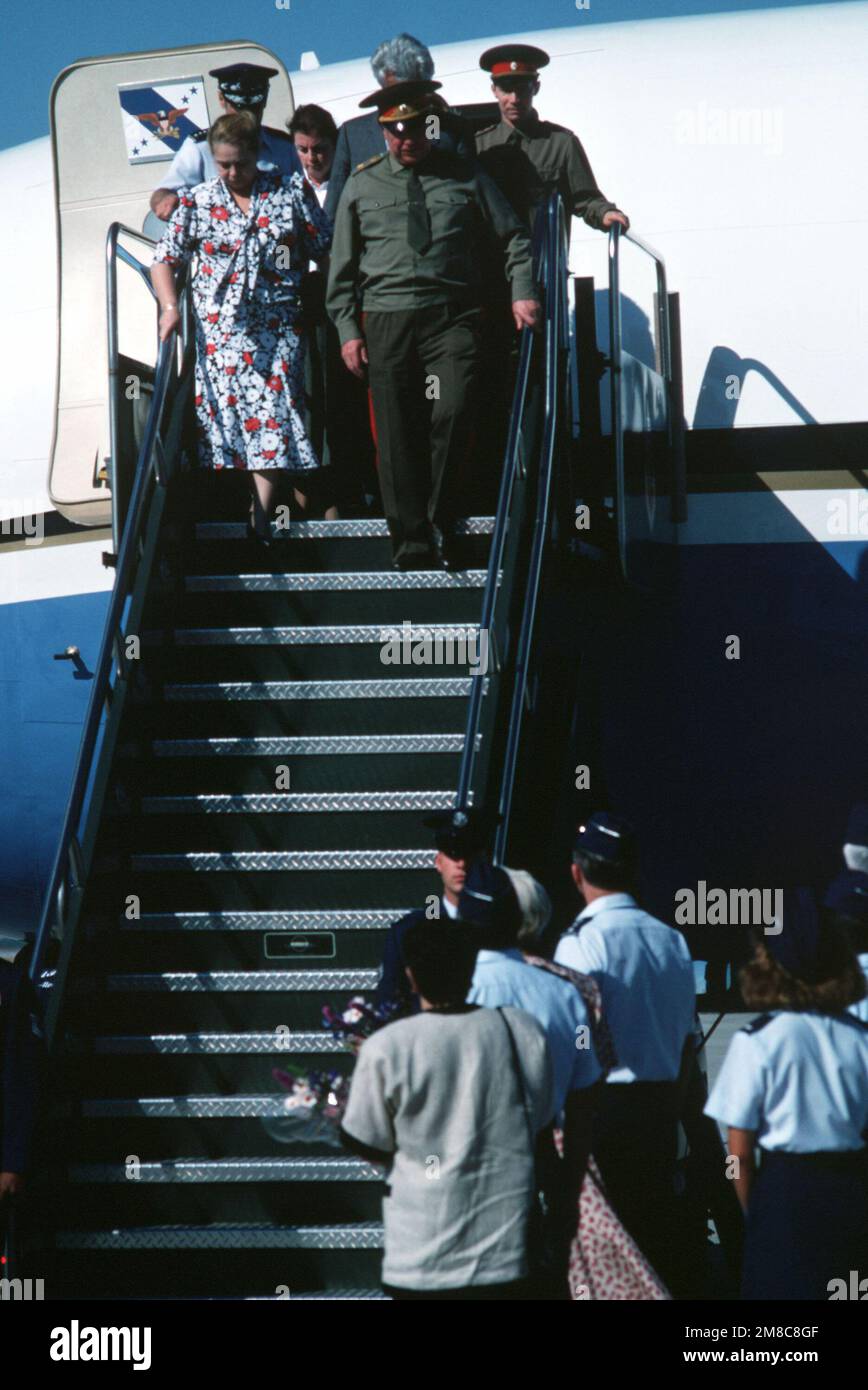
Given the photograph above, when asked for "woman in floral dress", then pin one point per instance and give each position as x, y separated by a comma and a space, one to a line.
254, 233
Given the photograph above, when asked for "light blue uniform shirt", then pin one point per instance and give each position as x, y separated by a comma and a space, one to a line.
860, 1008
504, 978
194, 162
645, 974
798, 1080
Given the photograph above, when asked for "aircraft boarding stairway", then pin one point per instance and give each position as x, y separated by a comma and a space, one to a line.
245, 821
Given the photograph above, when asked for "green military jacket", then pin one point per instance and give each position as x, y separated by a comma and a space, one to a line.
529, 164
374, 268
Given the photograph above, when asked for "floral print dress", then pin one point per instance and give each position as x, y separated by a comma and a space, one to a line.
250, 348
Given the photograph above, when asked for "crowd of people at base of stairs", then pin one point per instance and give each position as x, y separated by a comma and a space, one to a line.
358, 292
528, 1110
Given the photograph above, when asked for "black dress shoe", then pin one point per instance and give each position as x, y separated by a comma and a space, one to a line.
415, 561
445, 548
261, 538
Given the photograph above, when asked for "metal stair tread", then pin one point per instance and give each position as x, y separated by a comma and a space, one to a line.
351, 528
336, 634
334, 581
213, 1044
268, 1105
229, 981
341, 919
271, 803
311, 745
409, 688
283, 861
356, 1235
237, 1170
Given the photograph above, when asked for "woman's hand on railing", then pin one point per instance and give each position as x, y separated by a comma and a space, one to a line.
526, 313
170, 321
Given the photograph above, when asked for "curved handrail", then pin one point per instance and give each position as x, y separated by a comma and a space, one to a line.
68, 869
664, 339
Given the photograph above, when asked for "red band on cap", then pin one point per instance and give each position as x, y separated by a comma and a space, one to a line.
513, 69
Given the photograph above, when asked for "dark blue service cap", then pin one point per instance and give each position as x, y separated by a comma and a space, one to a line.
608, 837
488, 900
460, 831
848, 895
857, 825
244, 84
796, 946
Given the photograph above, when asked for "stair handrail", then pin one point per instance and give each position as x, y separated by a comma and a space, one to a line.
674, 422
513, 466
557, 346
69, 871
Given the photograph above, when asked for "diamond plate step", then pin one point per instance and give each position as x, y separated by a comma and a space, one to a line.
271, 803
327, 745
337, 580
194, 1107
249, 981
353, 529
284, 861
373, 634
362, 1235
189, 1170
452, 688
218, 1044
359, 919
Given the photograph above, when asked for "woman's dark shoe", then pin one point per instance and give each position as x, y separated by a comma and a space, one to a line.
262, 538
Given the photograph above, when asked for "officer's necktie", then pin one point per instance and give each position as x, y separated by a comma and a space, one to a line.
418, 224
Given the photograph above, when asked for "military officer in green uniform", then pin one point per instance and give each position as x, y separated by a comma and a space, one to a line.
404, 291
529, 158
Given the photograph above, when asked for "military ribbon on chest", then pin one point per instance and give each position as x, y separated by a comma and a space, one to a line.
418, 221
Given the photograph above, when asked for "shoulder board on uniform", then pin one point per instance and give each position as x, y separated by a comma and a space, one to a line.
198, 136
757, 1023
366, 164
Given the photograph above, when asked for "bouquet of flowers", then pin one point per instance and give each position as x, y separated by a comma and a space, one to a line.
315, 1101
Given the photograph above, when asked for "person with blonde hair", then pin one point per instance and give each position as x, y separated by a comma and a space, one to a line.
254, 233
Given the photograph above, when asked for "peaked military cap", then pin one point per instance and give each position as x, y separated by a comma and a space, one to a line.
607, 836
403, 101
514, 60
488, 900
460, 831
244, 84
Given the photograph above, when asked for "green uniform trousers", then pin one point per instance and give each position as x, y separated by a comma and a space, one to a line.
423, 367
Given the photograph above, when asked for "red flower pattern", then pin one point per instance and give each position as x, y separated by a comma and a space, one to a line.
235, 419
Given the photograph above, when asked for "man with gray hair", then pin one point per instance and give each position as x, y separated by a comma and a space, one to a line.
401, 59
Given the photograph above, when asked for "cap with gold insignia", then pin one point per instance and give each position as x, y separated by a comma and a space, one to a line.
244, 84
514, 60
403, 101
461, 832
